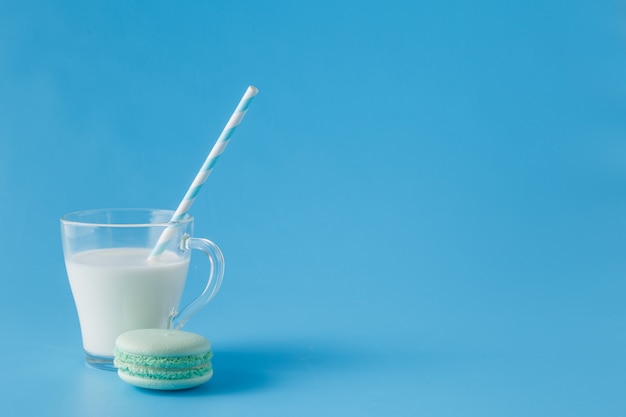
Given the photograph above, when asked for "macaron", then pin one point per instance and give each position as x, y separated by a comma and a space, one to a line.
163, 359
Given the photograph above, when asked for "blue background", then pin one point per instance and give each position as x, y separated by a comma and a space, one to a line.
422, 212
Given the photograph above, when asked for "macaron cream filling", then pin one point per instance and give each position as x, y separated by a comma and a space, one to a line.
165, 373
126, 359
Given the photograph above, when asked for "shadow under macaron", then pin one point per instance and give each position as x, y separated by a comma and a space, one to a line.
242, 368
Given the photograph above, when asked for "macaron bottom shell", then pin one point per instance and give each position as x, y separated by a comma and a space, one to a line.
164, 384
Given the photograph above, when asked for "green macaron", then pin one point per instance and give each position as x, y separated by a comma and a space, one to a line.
163, 359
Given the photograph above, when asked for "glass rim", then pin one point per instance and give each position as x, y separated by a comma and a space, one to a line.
67, 218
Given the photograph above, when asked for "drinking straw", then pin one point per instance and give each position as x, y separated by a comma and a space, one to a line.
205, 170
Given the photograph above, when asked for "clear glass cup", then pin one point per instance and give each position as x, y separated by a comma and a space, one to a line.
114, 285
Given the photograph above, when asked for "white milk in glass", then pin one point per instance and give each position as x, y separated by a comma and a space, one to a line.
116, 290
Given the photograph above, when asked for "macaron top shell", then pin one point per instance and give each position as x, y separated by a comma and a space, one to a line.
162, 343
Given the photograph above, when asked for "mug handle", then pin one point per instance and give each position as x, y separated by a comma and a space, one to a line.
216, 274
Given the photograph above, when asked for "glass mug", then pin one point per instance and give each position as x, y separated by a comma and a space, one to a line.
114, 285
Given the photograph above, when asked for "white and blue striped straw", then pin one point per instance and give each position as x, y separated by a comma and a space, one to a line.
205, 170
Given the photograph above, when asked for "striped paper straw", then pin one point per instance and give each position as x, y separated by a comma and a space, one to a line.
205, 170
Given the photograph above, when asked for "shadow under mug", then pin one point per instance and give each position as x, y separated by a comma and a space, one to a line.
114, 285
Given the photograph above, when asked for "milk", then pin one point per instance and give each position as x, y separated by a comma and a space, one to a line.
116, 290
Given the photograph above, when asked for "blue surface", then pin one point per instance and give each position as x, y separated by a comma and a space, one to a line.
423, 212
